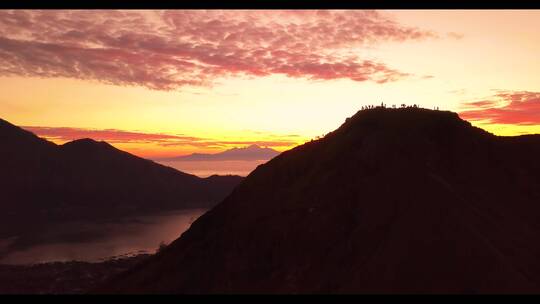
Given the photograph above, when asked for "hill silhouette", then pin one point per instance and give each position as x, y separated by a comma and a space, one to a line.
394, 201
84, 179
252, 152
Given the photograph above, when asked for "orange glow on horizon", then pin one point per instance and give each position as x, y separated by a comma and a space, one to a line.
166, 145
166, 93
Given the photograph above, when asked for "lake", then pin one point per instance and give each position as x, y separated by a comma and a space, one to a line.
98, 241
207, 168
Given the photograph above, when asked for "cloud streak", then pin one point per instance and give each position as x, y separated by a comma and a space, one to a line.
109, 135
506, 107
166, 50
63, 134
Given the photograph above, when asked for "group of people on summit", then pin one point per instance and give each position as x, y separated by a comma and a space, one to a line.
393, 106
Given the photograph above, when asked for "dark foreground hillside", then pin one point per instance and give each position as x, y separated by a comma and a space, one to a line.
394, 201
61, 277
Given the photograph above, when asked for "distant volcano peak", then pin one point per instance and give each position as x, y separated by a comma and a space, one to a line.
247, 153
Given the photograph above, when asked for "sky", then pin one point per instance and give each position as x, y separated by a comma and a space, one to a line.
167, 83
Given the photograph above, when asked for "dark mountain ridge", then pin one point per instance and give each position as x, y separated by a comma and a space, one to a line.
84, 179
394, 201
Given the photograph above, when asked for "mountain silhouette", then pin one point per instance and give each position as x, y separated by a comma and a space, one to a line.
84, 179
394, 201
252, 152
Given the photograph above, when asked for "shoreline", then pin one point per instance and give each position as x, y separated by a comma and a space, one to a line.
71, 277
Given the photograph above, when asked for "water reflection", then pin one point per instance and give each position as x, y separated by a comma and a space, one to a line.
207, 168
95, 241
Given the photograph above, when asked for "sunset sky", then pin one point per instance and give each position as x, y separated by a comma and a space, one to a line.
163, 83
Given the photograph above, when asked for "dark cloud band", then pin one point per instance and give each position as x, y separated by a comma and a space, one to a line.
166, 140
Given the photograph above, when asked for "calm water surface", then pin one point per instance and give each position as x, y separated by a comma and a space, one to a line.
93, 241
207, 168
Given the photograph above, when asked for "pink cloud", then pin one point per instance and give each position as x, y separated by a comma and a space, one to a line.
167, 50
481, 103
455, 35
519, 108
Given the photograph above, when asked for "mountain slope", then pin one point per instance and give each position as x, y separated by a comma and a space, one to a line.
43, 182
252, 152
394, 201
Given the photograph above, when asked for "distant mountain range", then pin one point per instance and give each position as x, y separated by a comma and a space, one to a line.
252, 152
394, 201
43, 182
